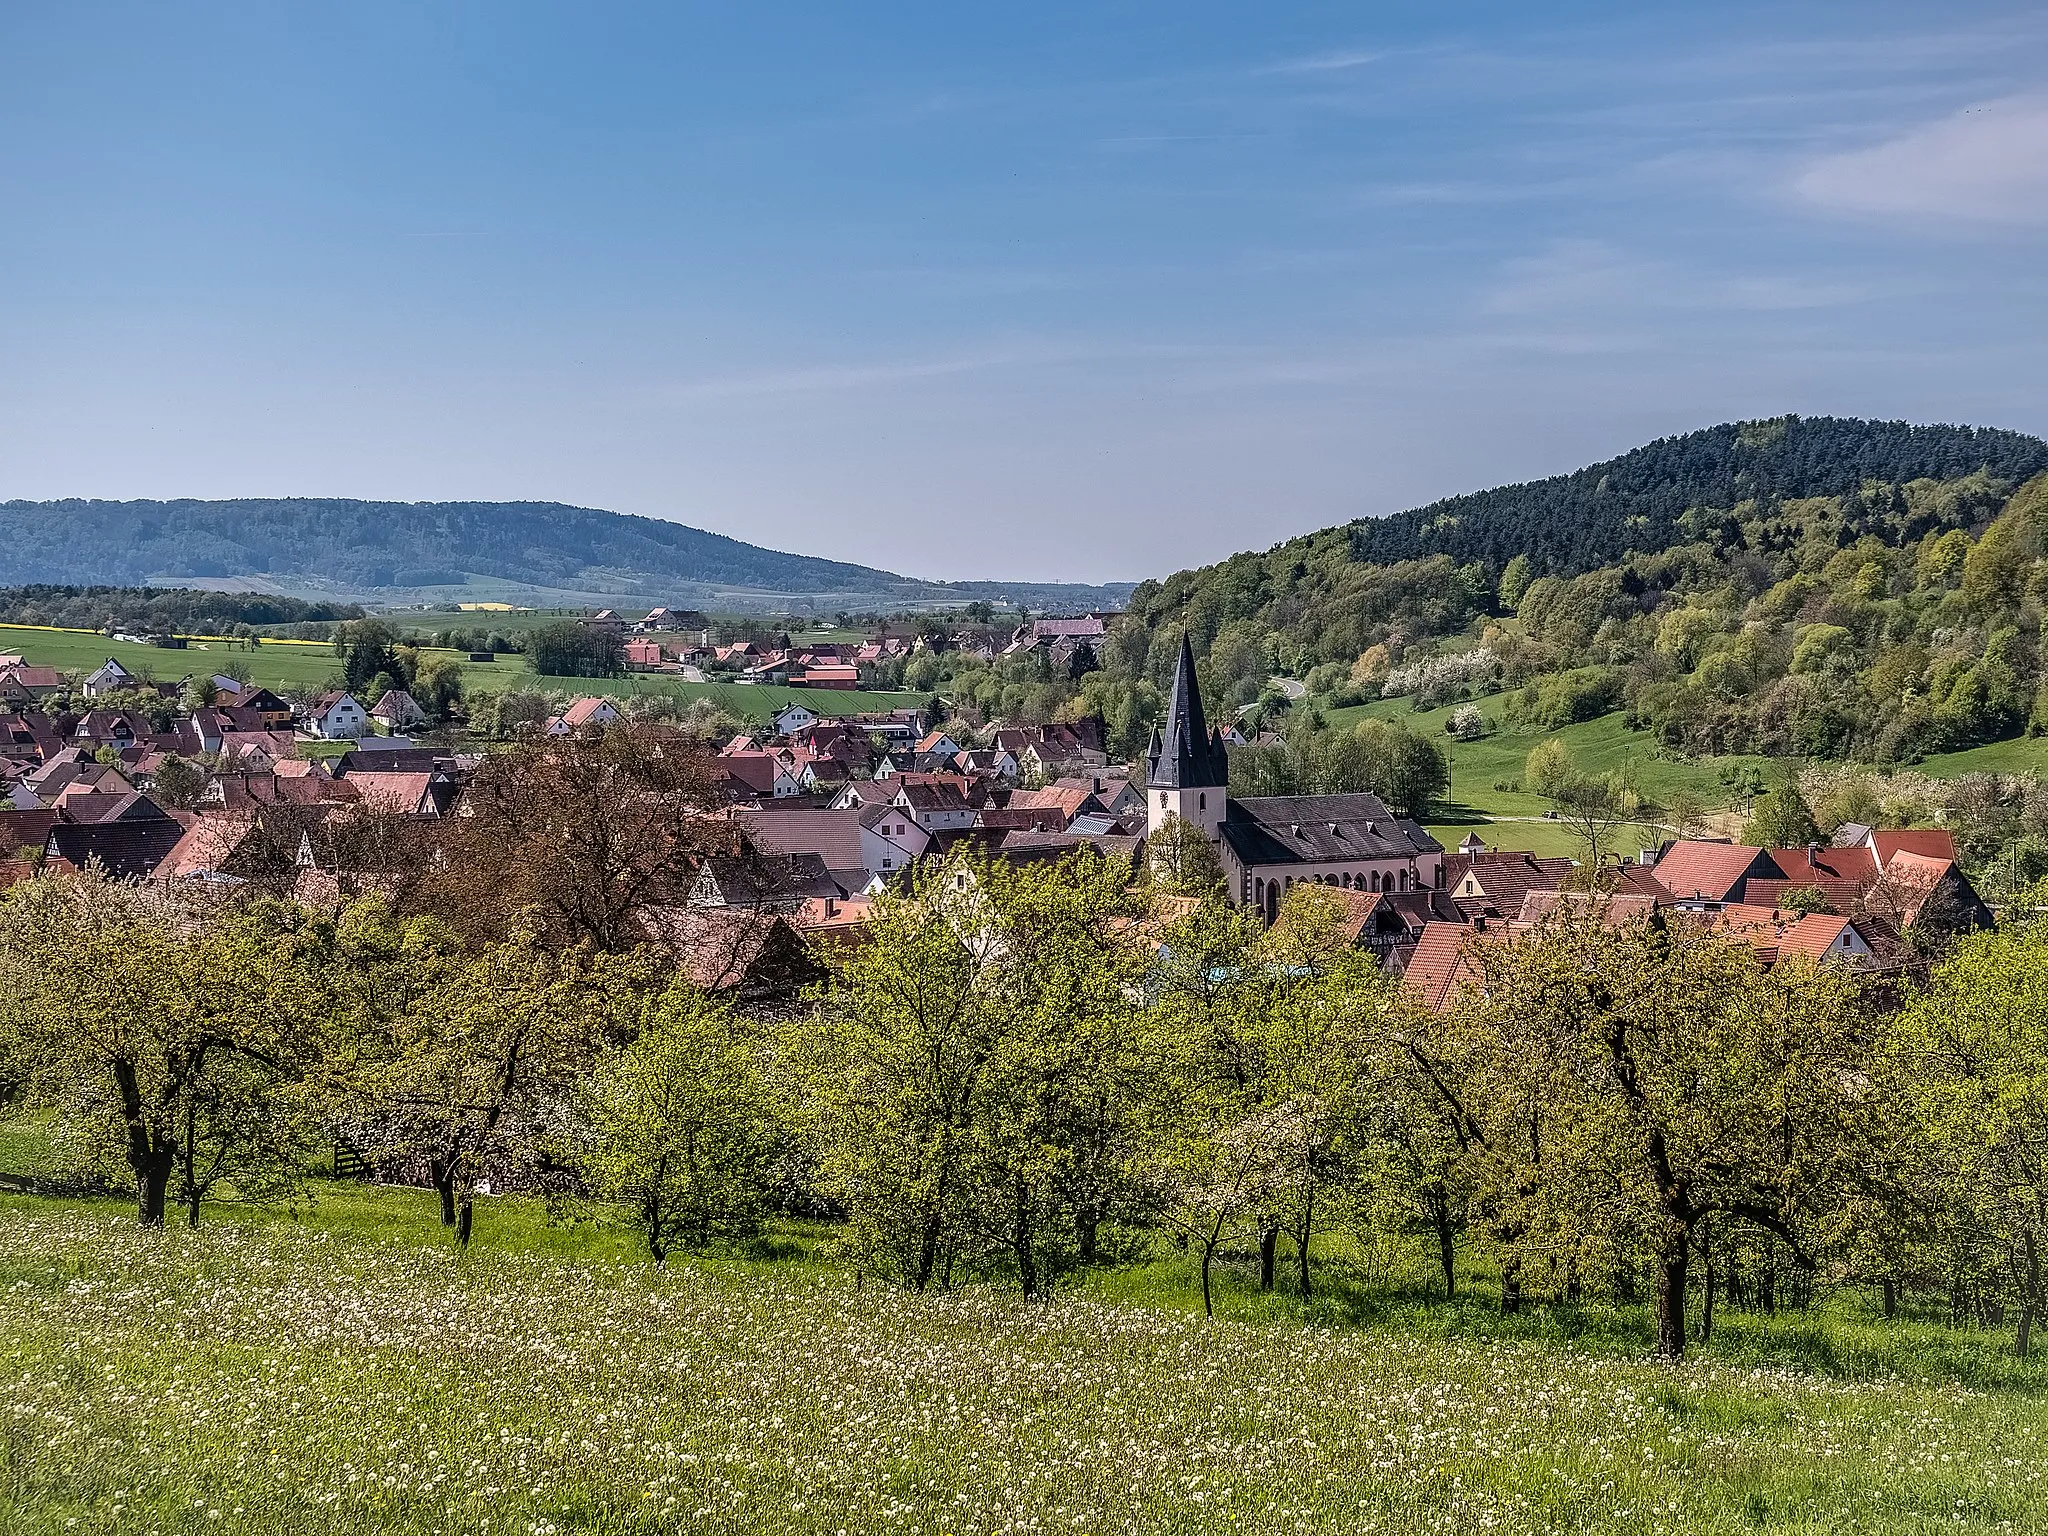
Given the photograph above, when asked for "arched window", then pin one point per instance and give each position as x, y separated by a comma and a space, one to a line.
1201, 802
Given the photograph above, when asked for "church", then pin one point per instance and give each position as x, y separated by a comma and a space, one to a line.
1269, 842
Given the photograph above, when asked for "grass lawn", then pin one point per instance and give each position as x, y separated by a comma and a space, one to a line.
2020, 755
1480, 768
347, 1372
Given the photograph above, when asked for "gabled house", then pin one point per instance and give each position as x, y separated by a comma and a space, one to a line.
935, 807
397, 710
24, 684
591, 713
109, 677
1493, 882
337, 717
792, 718
756, 775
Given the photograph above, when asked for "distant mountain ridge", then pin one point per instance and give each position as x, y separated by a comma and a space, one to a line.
422, 551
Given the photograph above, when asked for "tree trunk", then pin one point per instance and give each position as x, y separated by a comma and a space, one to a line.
443, 1174
1447, 1250
1085, 1226
1671, 1301
1510, 1286
1269, 1254
152, 1185
1891, 1297
152, 1158
1707, 1296
1208, 1301
2030, 1301
464, 1215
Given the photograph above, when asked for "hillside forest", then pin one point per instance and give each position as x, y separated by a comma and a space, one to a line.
1820, 589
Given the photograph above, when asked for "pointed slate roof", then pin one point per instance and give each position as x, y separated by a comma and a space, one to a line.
1186, 754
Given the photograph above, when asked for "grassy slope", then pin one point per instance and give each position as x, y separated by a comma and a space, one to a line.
1603, 746
347, 1372
282, 664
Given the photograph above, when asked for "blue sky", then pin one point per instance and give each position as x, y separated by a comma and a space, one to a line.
1051, 291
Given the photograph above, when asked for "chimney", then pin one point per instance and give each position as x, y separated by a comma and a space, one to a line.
1812, 852
831, 907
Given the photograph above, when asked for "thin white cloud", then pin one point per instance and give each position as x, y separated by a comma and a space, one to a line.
1985, 163
1594, 277
1324, 63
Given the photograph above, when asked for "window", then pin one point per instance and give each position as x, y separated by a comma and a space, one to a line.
1201, 802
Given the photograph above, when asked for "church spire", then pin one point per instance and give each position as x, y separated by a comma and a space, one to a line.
1186, 754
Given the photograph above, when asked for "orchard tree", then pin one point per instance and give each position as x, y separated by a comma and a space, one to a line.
680, 1127
176, 1027
472, 1075
1636, 1078
1978, 1039
578, 837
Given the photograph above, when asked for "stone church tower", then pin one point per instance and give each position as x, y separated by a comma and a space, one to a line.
1187, 769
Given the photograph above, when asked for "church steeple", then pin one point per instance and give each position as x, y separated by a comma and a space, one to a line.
1186, 754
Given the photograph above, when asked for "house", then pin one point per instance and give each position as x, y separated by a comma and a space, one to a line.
935, 807
756, 774
270, 712
604, 619
24, 684
1113, 792
109, 677
1270, 843
1388, 923
890, 838
586, 714
1493, 882
1906, 878
672, 619
644, 655
397, 710
337, 717
793, 718
835, 837
988, 763
936, 750
755, 958
763, 882
128, 840
841, 675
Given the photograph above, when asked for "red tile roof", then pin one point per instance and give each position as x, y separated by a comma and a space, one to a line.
1708, 871
1928, 842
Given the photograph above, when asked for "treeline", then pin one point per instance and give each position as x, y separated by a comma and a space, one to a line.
1647, 499
161, 610
1020, 1073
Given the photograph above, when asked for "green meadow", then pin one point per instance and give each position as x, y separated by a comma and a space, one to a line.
341, 1369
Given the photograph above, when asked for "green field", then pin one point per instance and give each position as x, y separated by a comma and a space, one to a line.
303, 664
345, 1371
1480, 768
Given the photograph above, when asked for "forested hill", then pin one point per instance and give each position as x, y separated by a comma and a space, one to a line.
1638, 503
391, 551
1819, 588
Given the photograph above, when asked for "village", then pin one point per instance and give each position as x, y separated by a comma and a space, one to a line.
826, 812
